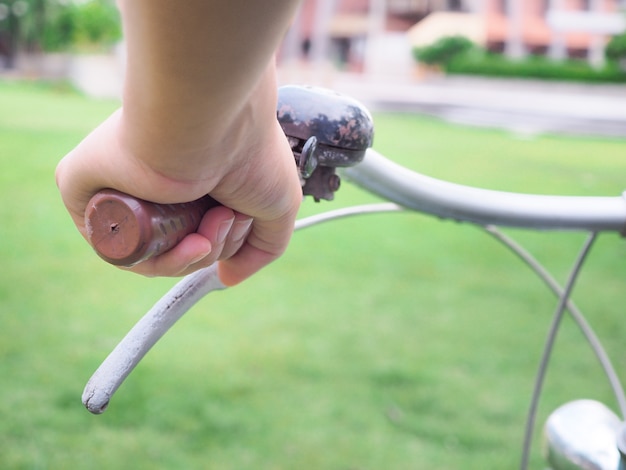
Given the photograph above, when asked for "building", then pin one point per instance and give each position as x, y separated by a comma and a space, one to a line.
558, 28
345, 31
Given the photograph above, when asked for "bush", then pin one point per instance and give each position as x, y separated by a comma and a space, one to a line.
458, 55
616, 48
443, 51
496, 65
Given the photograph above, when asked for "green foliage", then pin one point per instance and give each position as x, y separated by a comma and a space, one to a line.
616, 48
458, 55
54, 25
497, 65
443, 51
97, 23
59, 30
31, 25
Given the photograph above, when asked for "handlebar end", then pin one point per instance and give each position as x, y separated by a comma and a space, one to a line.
117, 227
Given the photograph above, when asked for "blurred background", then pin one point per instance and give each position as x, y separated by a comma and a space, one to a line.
387, 341
445, 57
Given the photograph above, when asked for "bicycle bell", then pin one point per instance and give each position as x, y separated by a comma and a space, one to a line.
325, 130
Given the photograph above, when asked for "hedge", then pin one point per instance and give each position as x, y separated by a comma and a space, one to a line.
495, 65
458, 55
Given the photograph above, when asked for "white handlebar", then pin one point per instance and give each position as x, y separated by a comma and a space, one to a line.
396, 184
421, 193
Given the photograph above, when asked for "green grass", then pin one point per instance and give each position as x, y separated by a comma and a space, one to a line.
389, 341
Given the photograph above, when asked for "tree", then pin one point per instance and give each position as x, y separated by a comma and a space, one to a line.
97, 24
53, 25
12, 18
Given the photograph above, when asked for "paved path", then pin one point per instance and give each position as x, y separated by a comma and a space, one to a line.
524, 106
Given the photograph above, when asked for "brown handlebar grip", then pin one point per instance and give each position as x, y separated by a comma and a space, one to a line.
125, 230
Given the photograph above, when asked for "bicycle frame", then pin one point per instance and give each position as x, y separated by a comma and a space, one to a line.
405, 190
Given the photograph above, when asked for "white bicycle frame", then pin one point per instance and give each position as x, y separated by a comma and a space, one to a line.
408, 190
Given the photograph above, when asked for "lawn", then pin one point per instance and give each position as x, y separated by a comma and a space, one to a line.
389, 341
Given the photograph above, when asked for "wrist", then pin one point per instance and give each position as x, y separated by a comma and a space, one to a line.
191, 143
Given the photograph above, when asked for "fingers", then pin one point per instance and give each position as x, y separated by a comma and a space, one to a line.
243, 246
221, 233
236, 237
196, 250
271, 192
176, 261
265, 243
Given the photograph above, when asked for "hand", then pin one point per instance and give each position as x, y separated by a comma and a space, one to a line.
199, 117
253, 175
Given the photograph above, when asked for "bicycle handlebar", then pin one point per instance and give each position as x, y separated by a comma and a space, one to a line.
328, 131
125, 230
395, 183
325, 130
415, 191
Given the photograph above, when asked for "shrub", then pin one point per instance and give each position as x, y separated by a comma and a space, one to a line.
496, 65
443, 51
616, 48
458, 55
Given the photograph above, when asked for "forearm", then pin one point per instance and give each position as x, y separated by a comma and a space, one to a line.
192, 66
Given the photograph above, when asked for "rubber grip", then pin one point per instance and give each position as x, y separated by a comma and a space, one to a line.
124, 230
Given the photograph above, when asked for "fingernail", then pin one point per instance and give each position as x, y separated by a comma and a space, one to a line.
240, 229
199, 258
223, 229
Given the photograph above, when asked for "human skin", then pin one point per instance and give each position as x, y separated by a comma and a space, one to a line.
198, 117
